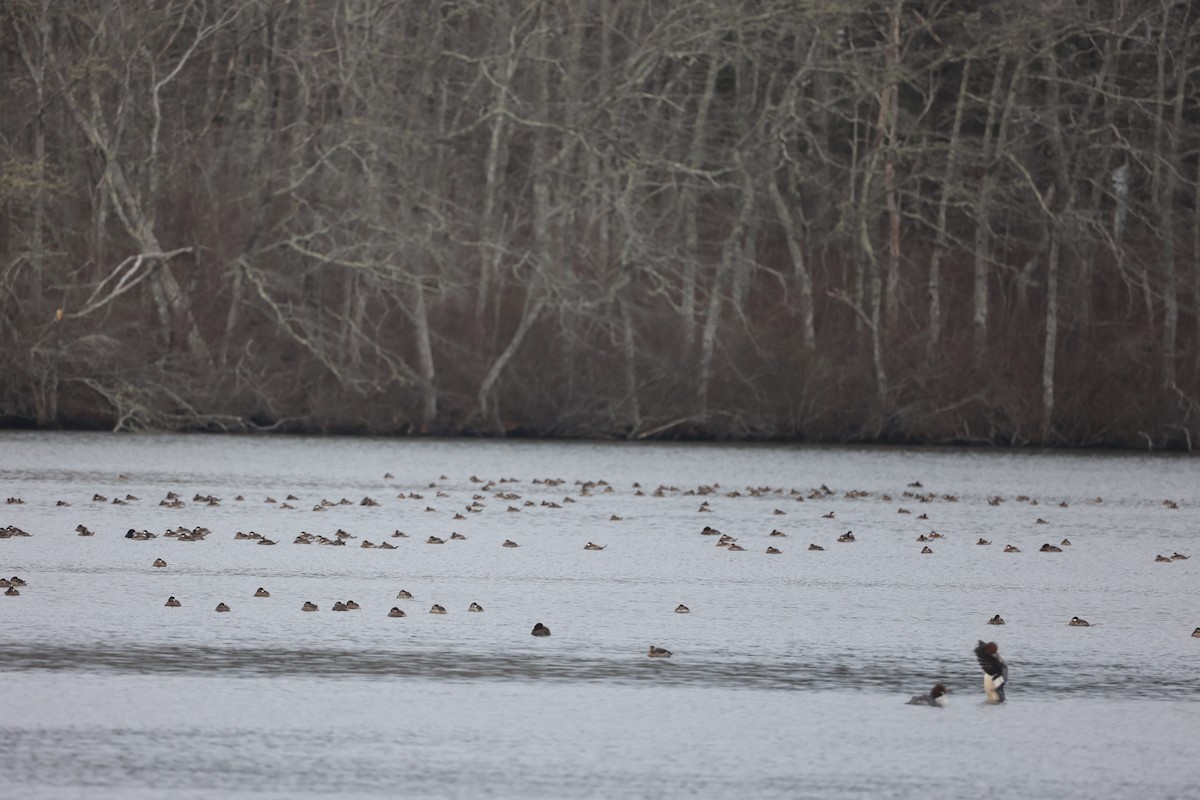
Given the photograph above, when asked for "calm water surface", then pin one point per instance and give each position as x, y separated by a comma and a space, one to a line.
788, 678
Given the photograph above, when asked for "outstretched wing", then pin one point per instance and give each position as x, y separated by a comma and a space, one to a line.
991, 663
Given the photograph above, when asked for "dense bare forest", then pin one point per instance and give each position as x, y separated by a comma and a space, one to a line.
809, 219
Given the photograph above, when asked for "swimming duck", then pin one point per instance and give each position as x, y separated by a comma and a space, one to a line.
827, 516
1041, 521
734, 547
1196, 633
457, 536
1162, 559
158, 562
1178, 557
266, 541
710, 531
540, 630
778, 533
434, 540
437, 609
510, 543
83, 531
773, 551
222, 607
339, 606
936, 697
399, 535
1065, 543
926, 550
1076, 622
309, 606
15, 581
591, 546
848, 536
1008, 548
996, 620
924, 516
922, 538
995, 671
682, 609
172, 602
386, 546
395, 612
12, 592
352, 606
475, 607
983, 541
815, 547
1049, 548
404, 594
659, 652
367, 545
262, 592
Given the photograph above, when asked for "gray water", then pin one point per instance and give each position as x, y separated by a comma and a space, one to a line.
789, 676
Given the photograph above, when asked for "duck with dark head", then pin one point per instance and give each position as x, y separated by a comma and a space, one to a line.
936, 697
995, 671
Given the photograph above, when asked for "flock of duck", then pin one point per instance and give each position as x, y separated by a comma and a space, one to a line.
994, 668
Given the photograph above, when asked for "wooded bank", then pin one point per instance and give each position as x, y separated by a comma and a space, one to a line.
886, 220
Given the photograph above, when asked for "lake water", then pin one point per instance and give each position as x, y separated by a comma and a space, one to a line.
789, 676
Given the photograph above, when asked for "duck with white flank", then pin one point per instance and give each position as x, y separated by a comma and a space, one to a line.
936, 697
995, 671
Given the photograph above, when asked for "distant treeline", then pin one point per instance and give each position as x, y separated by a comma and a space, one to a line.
878, 220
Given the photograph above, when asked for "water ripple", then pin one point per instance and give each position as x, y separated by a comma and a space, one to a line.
1057, 679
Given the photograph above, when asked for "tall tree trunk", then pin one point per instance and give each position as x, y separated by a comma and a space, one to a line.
629, 353
1051, 344
429, 392
889, 115
690, 207
795, 245
983, 213
939, 244
531, 313
1170, 163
